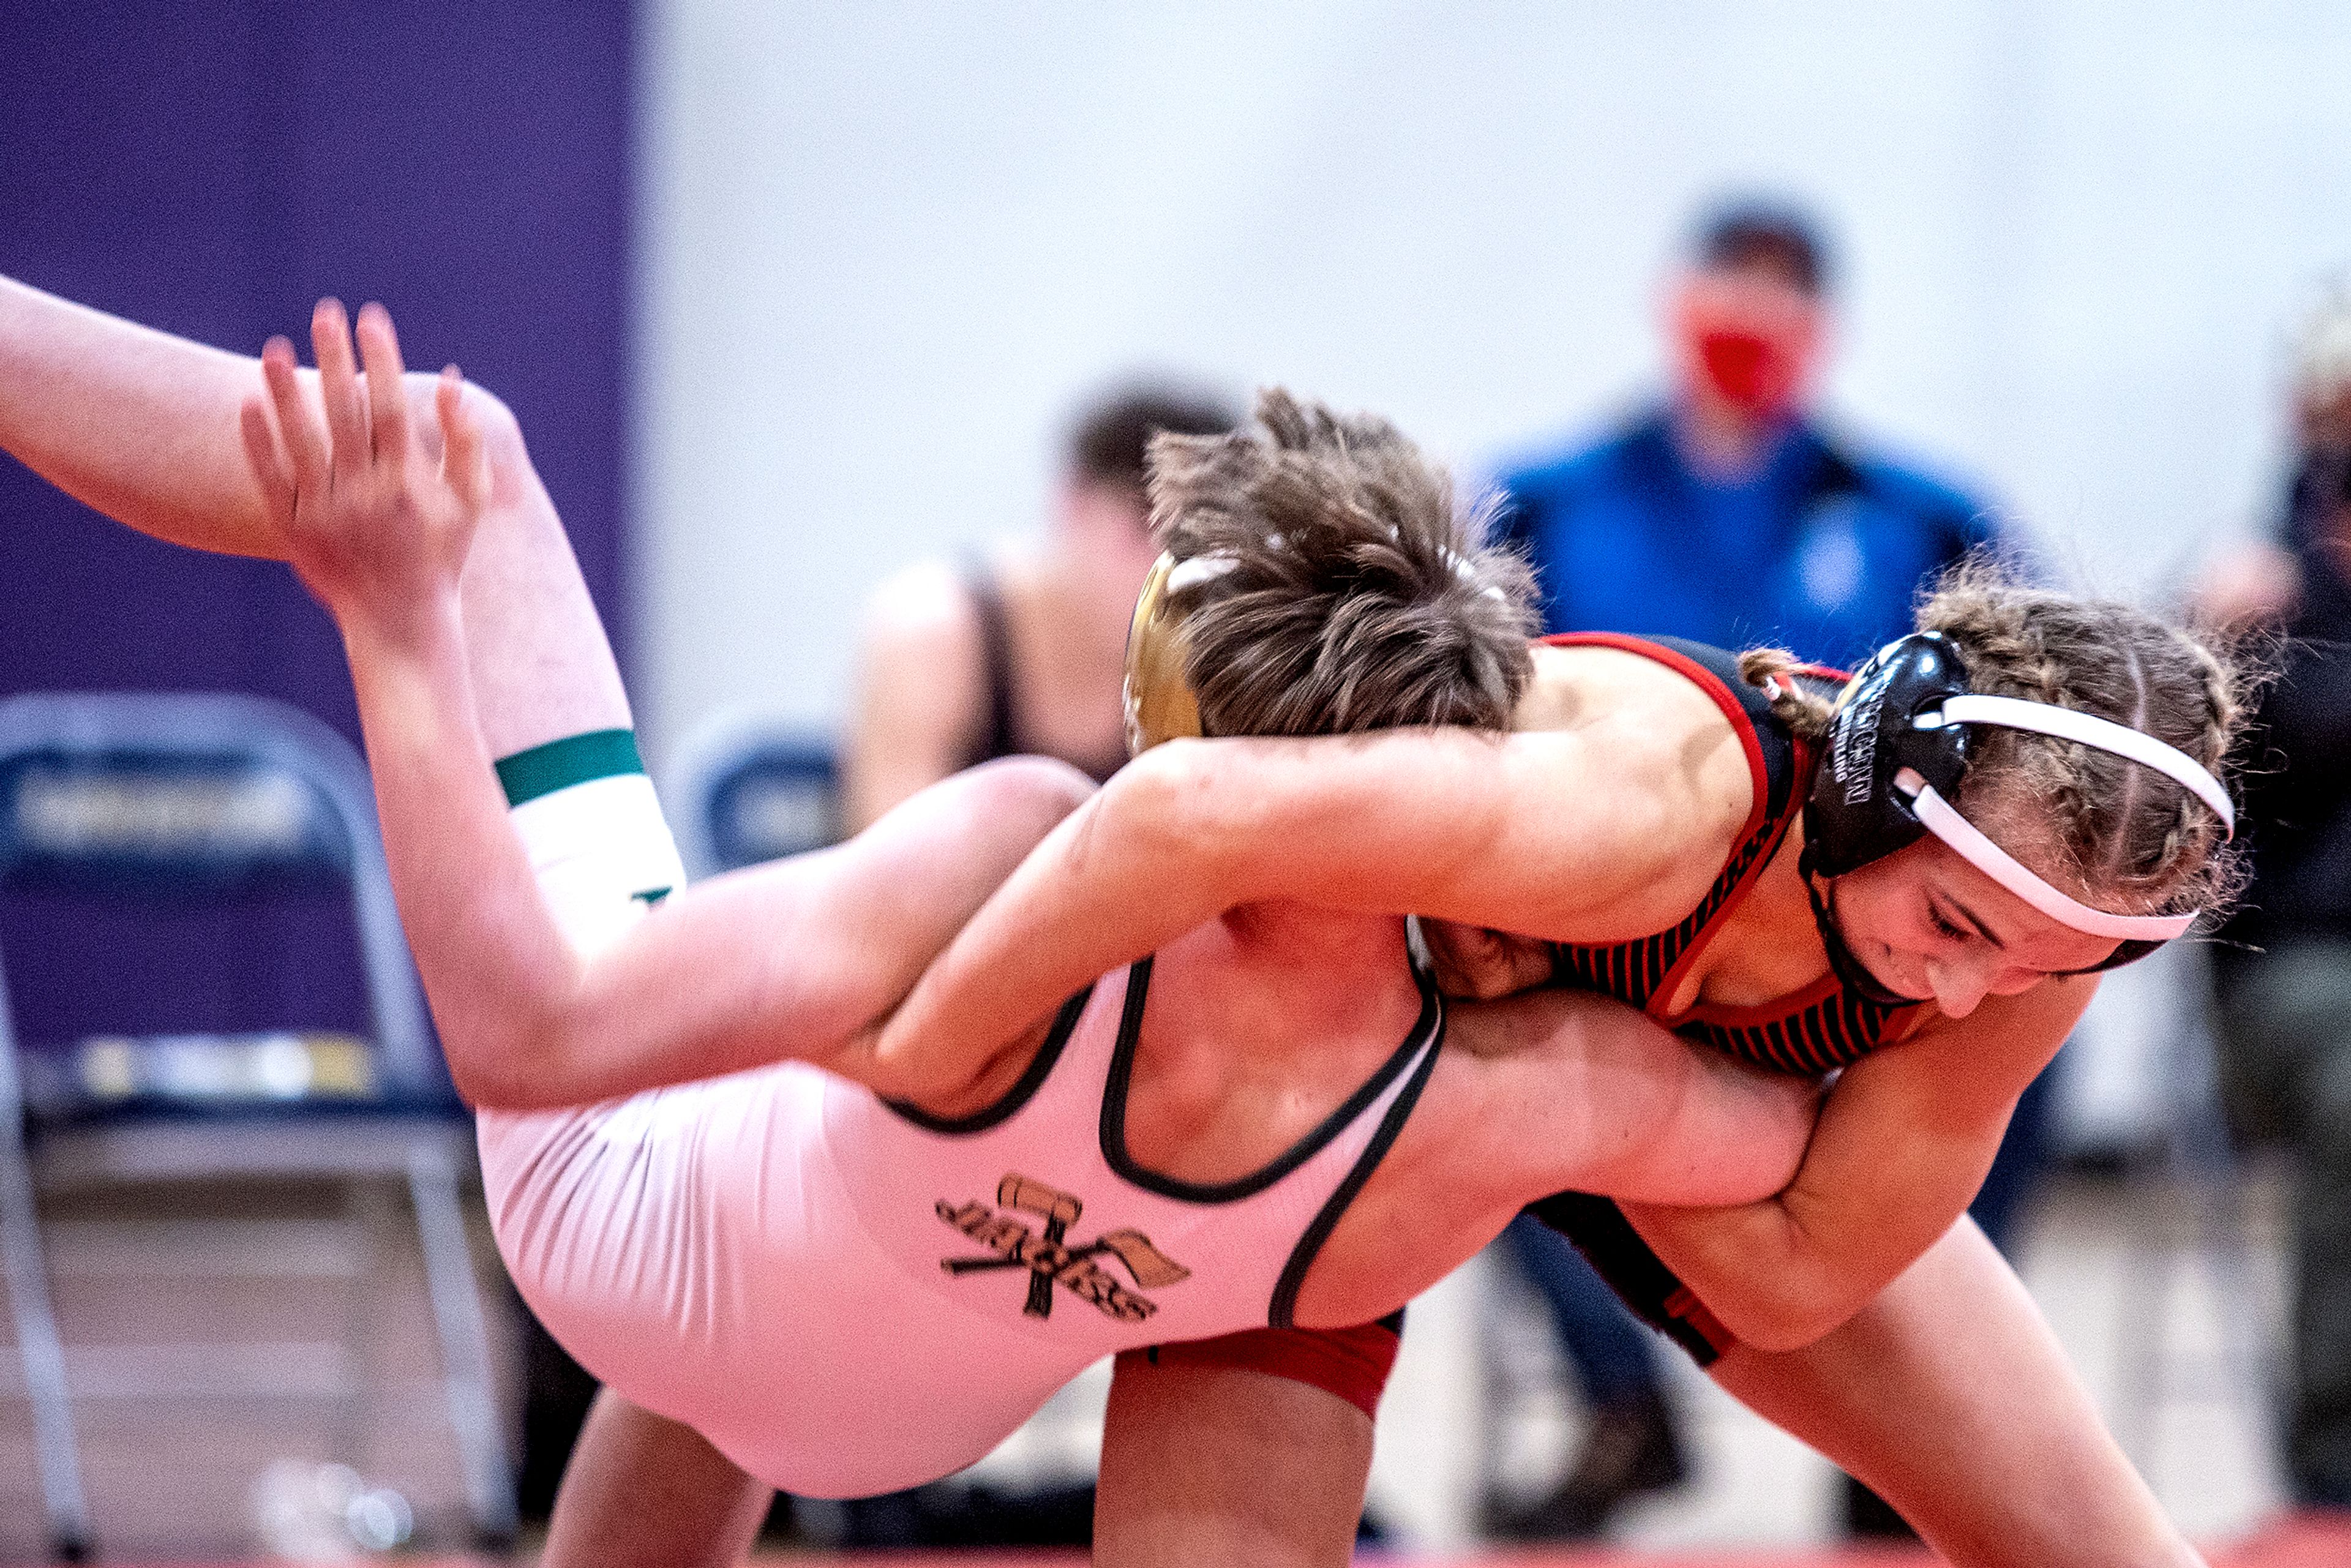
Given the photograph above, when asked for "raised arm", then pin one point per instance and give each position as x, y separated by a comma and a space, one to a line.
1595, 832
800, 961
143, 426
1902, 1145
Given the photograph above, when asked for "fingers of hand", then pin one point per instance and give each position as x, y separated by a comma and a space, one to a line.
267, 458
306, 444
339, 387
461, 462
387, 403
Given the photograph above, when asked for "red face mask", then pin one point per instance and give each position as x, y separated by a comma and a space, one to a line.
1752, 372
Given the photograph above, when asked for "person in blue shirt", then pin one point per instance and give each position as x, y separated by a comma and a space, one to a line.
1726, 513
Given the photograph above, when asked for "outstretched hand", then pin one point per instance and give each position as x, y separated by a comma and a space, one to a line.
376, 524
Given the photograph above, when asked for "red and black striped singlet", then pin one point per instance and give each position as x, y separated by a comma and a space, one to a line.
1811, 1031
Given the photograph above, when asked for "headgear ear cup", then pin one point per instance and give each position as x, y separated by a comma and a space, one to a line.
1854, 814
1159, 701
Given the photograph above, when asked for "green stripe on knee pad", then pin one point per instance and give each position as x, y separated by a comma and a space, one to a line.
574, 760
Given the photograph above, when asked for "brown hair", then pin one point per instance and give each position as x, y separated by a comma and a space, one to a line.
2116, 827
1347, 592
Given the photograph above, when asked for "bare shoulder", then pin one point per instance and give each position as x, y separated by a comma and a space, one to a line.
1672, 759
926, 605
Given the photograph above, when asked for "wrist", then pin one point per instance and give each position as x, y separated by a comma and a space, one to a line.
407, 625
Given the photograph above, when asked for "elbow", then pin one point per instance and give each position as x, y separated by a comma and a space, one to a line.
511, 1069
1150, 812
1782, 1320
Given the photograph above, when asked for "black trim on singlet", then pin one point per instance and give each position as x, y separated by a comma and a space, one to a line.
1020, 1094
997, 737
1281, 1311
1831, 1030
1778, 747
1122, 1073
1001, 732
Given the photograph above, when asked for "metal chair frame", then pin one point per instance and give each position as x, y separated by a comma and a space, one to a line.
421, 1147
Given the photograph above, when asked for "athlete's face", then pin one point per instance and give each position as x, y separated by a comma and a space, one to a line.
1930, 926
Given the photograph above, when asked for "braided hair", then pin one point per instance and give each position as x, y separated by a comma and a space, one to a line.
2123, 830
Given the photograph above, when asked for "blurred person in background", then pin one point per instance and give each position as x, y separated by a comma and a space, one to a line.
1022, 651
1726, 512
2282, 969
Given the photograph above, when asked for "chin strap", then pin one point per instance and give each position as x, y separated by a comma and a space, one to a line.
1847, 965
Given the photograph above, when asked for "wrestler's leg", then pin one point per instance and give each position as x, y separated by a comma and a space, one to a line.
642, 1490
1950, 1397
1222, 1464
144, 427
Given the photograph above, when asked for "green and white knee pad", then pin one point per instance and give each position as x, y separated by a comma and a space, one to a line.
593, 830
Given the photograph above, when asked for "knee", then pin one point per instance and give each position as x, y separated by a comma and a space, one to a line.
501, 431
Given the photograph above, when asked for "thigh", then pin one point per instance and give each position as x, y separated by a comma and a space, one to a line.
642, 1488
1949, 1397
1224, 1464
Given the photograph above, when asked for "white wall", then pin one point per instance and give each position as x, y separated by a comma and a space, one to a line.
885, 245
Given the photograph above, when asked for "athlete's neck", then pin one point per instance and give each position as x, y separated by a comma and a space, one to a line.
1769, 948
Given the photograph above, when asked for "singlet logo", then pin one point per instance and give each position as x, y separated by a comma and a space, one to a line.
1051, 1260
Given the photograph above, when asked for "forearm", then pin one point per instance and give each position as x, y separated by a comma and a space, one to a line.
1783, 1272
139, 425
1902, 1145
1948, 1396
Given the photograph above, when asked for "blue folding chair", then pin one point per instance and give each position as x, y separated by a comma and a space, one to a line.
150, 798
755, 791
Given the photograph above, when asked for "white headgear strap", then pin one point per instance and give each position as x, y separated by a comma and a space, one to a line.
1944, 822
2046, 718
1941, 819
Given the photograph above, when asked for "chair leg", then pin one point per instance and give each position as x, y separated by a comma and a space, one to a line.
369, 1207
465, 1342
44, 1357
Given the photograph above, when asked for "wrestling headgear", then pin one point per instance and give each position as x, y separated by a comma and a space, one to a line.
1159, 700
1898, 749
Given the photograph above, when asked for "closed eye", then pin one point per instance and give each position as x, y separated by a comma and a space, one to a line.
1943, 926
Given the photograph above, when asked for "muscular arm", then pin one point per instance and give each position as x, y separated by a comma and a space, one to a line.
1902, 1146
139, 425
1597, 832
1949, 1397
801, 960
1576, 1092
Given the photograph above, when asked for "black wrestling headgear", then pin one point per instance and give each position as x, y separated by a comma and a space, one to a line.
1895, 757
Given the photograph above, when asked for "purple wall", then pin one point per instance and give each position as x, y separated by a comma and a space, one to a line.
211, 168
